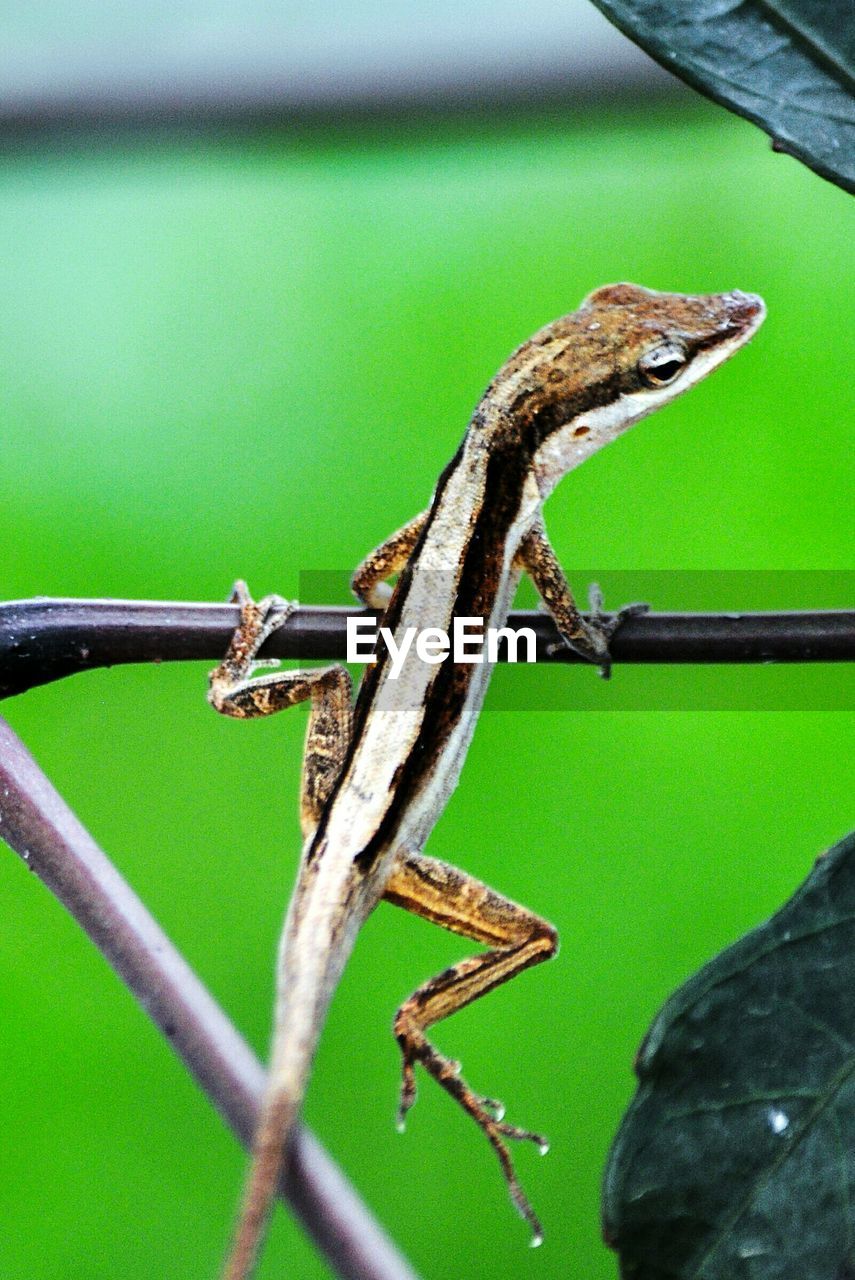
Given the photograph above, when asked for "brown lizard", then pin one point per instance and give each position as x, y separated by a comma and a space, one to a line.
378, 774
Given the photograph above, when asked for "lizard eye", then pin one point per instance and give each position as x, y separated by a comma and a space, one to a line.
662, 364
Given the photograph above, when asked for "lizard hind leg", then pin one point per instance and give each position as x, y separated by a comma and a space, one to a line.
516, 939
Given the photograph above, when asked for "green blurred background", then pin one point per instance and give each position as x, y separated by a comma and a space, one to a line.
253, 356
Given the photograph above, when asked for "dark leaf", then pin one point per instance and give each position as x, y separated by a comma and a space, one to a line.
736, 1158
788, 65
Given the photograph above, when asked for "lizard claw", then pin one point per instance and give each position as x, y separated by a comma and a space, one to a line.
607, 625
408, 1095
239, 593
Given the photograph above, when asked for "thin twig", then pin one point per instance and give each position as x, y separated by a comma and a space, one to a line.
39, 825
45, 639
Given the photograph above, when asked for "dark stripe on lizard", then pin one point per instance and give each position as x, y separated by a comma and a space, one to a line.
480, 579
374, 672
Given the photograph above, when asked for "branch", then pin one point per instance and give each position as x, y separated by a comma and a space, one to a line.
45, 639
39, 826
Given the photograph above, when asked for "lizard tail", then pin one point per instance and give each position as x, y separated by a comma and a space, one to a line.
278, 1113
316, 942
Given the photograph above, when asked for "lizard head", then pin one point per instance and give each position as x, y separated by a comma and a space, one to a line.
584, 379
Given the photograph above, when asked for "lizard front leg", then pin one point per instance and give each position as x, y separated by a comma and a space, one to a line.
390, 557
516, 939
587, 636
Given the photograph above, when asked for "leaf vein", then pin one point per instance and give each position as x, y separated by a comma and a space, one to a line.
804, 35
824, 1099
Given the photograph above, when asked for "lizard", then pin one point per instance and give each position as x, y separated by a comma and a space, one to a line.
377, 773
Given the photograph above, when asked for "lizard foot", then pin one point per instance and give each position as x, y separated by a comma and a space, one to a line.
227, 682
258, 621
592, 639
487, 1113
